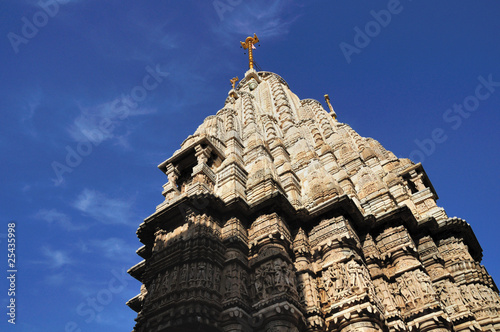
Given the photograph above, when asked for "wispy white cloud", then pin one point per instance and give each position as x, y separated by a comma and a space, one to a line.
61, 219
113, 248
266, 18
102, 122
55, 258
103, 209
55, 279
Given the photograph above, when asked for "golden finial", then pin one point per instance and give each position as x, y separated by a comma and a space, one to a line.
332, 112
233, 81
248, 44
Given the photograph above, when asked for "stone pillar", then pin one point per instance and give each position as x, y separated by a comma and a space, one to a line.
393, 317
203, 178
170, 189
236, 281
306, 283
346, 291
274, 295
186, 264
411, 286
447, 290
476, 287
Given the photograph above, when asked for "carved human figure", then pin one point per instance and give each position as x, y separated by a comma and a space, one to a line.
425, 284
268, 277
444, 296
398, 298
235, 287
368, 280
341, 278
288, 274
184, 273
209, 274
455, 295
217, 279
475, 293
408, 295
243, 283
279, 279
323, 296
356, 277
469, 300
327, 283
384, 293
413, 285
314, 291
192, 272
201, 273
173, 278
165, 283
228, 282
257, 285
301, 288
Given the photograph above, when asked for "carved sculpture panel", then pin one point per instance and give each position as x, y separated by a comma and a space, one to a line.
414, 289
274, 277
342, 280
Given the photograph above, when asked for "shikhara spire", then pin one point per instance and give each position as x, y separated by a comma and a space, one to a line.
278, 217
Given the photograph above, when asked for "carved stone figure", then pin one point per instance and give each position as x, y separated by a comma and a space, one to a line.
209, 275
243, 284
398, 296
202, 278
357, 279
164, 283
192, 272
425, 284
173, 278
184, 273
217, 279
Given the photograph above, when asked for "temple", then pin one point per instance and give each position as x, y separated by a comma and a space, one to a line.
277, 217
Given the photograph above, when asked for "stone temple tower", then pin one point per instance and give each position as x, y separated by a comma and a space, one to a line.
277, 217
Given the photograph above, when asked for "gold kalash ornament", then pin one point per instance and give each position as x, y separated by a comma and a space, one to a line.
248, 45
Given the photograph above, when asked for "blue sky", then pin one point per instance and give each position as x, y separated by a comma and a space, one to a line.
95, 94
